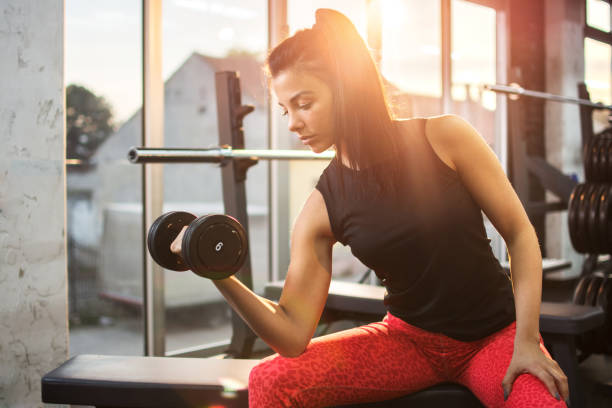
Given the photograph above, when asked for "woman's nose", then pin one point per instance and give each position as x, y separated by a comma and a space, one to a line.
295, 123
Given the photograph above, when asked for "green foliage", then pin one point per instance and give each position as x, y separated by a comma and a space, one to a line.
88, 122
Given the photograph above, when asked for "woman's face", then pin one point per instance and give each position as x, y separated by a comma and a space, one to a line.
307, 102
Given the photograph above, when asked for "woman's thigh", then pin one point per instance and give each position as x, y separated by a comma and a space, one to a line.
486, 370
368, 363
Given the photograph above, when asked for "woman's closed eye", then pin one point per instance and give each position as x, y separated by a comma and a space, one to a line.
305, 106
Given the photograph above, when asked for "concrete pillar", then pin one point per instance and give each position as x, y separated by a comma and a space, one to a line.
33, 279
564, 22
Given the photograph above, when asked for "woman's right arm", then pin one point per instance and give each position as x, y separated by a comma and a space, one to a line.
288, 326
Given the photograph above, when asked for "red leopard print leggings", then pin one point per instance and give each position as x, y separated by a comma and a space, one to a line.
387, 359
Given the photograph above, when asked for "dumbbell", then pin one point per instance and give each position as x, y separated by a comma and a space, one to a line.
214, 246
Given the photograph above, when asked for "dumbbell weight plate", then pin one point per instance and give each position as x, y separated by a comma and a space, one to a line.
215, 246
162, 233
573, 206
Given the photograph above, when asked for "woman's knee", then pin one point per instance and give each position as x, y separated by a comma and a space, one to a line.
530, 391
272, 382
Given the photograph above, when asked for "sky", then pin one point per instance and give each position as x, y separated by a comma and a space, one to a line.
104, 42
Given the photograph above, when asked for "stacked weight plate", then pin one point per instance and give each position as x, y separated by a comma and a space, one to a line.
590, 227
590, 204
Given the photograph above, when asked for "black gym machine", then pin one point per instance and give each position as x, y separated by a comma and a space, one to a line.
116, 381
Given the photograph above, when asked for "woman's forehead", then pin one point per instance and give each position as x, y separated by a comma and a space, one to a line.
291, 83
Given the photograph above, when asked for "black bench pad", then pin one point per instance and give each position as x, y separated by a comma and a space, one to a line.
567, 318
128, 381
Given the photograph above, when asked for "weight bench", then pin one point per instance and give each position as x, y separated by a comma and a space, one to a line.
115, 381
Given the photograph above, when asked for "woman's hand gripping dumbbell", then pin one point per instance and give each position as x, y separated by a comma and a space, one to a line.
213, 246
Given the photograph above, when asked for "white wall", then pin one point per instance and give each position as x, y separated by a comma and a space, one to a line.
33, 295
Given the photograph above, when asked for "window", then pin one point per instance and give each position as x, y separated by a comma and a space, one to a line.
597, 57
598, 14
104, 96
200, 38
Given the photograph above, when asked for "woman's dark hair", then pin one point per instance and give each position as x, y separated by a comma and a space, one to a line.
365, 131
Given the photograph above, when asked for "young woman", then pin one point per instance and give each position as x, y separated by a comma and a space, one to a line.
407, 197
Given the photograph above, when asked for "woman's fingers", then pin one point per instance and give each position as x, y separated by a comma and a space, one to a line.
175, 247
548, 379
549, 373
560, 380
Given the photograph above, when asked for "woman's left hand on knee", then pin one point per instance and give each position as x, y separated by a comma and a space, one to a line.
529, 358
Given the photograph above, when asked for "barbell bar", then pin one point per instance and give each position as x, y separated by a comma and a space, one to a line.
219, 154
515, 89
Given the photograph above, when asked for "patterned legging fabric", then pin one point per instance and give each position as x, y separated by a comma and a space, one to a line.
388, 359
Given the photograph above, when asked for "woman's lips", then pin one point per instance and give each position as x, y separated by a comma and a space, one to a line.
306, 139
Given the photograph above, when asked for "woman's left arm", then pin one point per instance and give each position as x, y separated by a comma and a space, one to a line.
461, 147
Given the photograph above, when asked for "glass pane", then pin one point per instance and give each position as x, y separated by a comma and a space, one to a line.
474, 59
598, 14
473, 63
199, 39
411, 58
598, 77
104, 96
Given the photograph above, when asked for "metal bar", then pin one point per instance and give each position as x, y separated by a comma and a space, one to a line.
219, 155
517, 90
153, 189
598, 35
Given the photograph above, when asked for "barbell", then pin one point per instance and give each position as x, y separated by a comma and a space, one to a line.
219, 155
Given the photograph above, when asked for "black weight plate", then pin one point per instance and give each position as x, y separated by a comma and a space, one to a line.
162, 233
589, 340
591, 218
608, 159
586, 160
604, 300
572, 214
595, 157
215, 246
589, 202
590, 298
580, 290
603, 160
603, 221
583, 244
594, 227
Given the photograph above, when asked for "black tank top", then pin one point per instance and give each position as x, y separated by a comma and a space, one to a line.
428, 245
